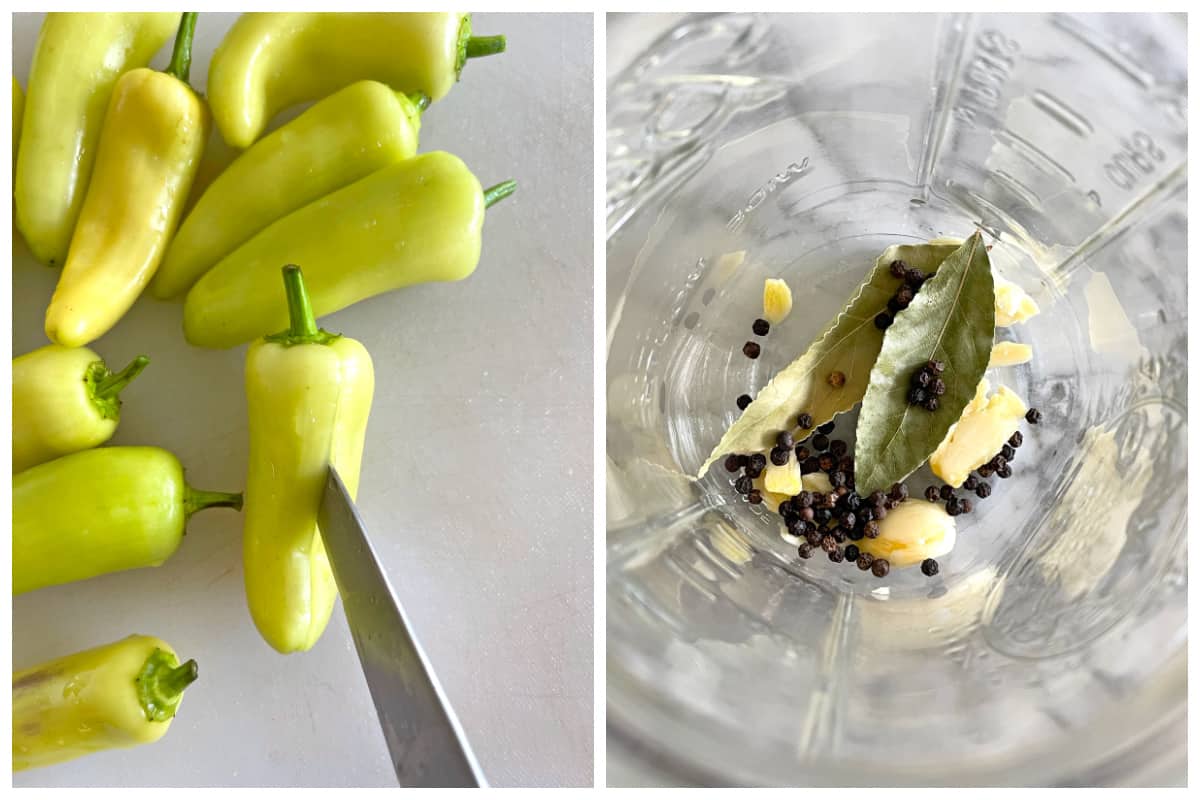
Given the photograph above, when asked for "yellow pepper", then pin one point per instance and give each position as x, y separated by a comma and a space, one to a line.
270, 61
149, 151
18, 113
118, 695
64, 399
78, 59
308, 394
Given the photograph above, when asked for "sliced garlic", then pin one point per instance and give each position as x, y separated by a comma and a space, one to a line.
978, 435
914, 531
770, 499
817, 482
777, 300
1009, 354
1013, 305
783, 480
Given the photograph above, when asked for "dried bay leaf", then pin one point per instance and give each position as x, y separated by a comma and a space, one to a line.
952, 319
849, 344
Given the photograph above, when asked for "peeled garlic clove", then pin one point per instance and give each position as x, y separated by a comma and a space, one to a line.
978, 435
783, 480
817, 482
777, 300
1009, 354
914, 531
770, 499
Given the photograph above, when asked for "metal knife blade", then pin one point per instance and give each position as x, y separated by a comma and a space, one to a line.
425, 739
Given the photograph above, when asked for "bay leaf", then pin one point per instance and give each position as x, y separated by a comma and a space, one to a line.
849, 344
952, 319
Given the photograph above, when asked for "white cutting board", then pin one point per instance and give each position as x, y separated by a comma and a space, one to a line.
476, 482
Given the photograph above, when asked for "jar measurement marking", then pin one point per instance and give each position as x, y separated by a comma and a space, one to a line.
793, 171
985, 76
1062, 113
1137, 158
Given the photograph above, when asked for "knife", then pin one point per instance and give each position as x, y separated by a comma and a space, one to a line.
425, 739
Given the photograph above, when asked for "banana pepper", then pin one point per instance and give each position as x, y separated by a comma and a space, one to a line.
77, 62
64, 399
270, 61
118, 695
308, 394
101, 511
149, 151
343, 138
18, 100
416, 221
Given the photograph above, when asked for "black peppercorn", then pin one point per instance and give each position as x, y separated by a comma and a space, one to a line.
804, 421
1033, 416
864, 561
983, 490
761, 327
985, 471
914, 278
828, 543
851, 552
802, 452
921, 378
825, 462
905, 295
881, 511
838, 479
997, 462
932, 494
848, 520
899, 492
814, 537
751, 349
803, 500
898, 269
811, 464
753, 471
827, 428
1004, 472
820, 442
965, 506
807, 514
929, 567
883, 321
785, 440
952, 507
916, 396
806, 550
970, 483
853, 501
836, 379
838, 534
936, 366
837, 557
822, 516
880, 567
755, 497
894, 305
840, 492
732, 464
846, 463
946, 492
757, 461
877, 497
930, 404
871, 529
744, 401
939, 387
865, 513
1016, 440
780, 455
838, 448
1008, 451
743, 485
855, 535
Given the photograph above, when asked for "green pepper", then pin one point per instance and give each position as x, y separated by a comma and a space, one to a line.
416, 221
343, 138
270, 61
308, 396
101, 511
118, 695
78, 59
64, 400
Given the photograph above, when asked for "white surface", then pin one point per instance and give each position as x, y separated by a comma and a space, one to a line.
476, 479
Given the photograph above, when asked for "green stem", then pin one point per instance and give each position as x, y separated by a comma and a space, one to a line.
303, 323
420, 100
181, 56
115, 382
197, 500
494, 194
161, 682
480, 46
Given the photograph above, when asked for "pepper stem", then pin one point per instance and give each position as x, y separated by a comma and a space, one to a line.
181, 56
494, 194
161, 682
420, 100
303, 323
480, 46
197, 500
115, 382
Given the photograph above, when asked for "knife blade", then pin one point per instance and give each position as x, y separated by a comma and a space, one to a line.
426, 741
